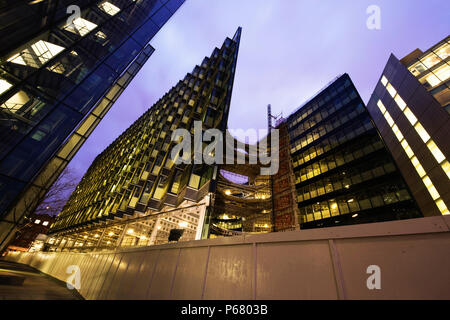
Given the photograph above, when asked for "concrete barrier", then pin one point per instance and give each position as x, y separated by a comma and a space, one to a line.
413, 257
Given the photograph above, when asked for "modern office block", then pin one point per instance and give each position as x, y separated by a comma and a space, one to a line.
242, 200
59, 75
432, 69
408, 107
343, 172
133, 193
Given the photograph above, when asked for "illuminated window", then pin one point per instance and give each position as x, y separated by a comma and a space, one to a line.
101, 35
417, 69
4, 85
436, 151
446, 167
80, 26
400, 102
16, 102
432, 80
397, 132
430, 60
384, 80
431, 189
44, 51
411, 117
442, 207
109, 8
407, 149
381, 106
415, 162
45, 223
443, 51
391, 90
37, 221
389, 119
17, 58
443, 73
418, 166
422, 132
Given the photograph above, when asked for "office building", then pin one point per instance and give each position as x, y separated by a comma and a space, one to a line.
60, 73
36, 225
432, 69
410, 108
342, 171
133, 194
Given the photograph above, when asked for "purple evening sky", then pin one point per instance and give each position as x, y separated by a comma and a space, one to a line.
289, 50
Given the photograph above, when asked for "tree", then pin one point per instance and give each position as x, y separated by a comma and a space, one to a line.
59, 193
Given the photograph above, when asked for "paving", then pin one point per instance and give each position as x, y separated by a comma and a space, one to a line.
21, 282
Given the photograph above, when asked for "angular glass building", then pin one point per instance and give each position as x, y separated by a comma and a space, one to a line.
340, 167
410, 108
432, 69
133, 193
63, 64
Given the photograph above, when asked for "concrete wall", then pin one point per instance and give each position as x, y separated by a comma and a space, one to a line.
331, 263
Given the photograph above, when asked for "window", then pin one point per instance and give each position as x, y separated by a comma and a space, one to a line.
432, 80
45, 223
443, 51
397, 132
109, 8
400, 102
422, 132
431, 189
417, 69
80, 26
418, 166
442, 207
44, 51
381, 106
37, 221
443, 73
389, 119
407, 148
446, 168
4, 85
391, 90
411, 117
439, 156
430, 60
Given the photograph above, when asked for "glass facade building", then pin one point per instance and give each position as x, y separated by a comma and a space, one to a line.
432, 69
341, 168
134, 193
59, 74
410, 108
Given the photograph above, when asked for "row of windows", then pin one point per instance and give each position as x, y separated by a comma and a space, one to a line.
319, 101
344, 180
352, 204
431, 68
339, 102
62, 68
415, 162
331, 142
354, 152
324, 128
154, 154
139, 154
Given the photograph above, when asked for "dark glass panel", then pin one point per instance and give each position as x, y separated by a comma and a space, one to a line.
91, 89
25, 159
